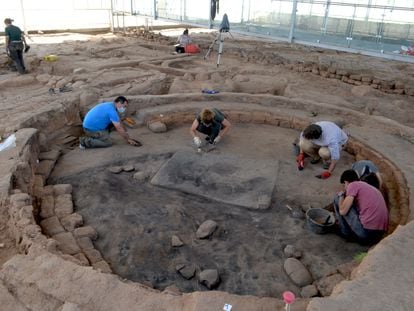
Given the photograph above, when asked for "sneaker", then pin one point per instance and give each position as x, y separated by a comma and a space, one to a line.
81, 147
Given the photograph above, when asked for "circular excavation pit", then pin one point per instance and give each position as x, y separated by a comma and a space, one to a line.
137, 212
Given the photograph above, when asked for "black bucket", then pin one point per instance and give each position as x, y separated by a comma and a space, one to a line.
320, 220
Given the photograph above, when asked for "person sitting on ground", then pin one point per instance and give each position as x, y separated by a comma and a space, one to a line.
361, 210
211, 122
324, 140
98, 122
368, 172
15, 45
182, 41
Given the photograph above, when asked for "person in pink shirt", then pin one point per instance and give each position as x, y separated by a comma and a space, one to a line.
361, 210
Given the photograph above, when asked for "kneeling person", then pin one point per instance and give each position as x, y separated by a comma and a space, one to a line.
361, 210
212, 123
98, 122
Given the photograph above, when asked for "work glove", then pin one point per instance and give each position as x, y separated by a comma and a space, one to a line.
300, 159
217, 140
197, 141
324, 175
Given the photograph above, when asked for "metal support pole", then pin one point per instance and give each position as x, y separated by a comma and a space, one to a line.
155, 9
220, 51
210, 22
325, 18
112, 16
293, 21
24, 18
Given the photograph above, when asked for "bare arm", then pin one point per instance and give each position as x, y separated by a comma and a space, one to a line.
345, 204
332, 166
193, 128
124, 134
226, 127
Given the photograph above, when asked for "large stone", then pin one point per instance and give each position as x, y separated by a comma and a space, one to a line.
222, 177
86, 231
62, 189
327, 284
63, 205
157, 127
186, 270
93, 255
309, 291
72, 221
206, 229
47, 207
67, 243
297, 272
210, 278
51, 226
176, 242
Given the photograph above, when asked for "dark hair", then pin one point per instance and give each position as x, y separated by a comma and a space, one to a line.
185, 32
121, 100
349, 176
371, 179
312, 131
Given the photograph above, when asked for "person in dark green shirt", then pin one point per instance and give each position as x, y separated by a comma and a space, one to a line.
15, 44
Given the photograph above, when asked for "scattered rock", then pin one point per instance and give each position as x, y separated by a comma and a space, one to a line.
297, 272
326, 284
115, 169
140, 176
206, 229
157, 127
291, 251
309, 291
209, 278
176, 242
186, 270
128, 168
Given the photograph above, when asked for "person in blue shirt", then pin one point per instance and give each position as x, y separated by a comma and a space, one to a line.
98, 122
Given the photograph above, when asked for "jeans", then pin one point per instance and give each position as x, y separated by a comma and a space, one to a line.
99, 139
211, 131
351, 228
16, 54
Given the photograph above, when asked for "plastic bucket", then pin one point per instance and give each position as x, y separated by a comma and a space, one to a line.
319, 220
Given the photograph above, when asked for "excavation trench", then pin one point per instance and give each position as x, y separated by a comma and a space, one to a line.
137, 211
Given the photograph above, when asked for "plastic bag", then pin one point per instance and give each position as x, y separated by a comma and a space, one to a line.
10, 142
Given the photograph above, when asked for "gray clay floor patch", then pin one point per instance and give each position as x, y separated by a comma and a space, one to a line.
221, 177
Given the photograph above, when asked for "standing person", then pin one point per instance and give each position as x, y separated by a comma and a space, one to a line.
368, 172
15, 44
322, 140
182, 41
361, 210
98, 122
211, 122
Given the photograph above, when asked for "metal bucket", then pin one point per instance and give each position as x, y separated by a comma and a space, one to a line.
319, 220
